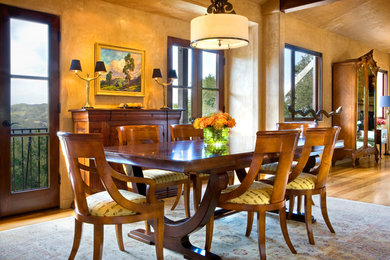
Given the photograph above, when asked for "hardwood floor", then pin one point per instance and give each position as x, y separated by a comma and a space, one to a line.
368, 182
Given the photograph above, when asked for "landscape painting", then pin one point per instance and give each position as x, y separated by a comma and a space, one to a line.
125, 71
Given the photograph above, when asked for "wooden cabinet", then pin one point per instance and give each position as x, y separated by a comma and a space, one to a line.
354, 88
105, 120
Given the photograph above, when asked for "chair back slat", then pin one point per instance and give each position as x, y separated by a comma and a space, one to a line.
138, 134
295, 125
269, 143
185, 132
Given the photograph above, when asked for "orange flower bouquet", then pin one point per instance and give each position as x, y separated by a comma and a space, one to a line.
215, 128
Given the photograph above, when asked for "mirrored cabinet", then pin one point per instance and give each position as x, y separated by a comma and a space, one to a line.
354, 88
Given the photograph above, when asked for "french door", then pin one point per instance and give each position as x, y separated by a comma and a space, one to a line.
29, 110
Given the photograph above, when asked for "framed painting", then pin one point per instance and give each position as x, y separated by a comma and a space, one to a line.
125, 74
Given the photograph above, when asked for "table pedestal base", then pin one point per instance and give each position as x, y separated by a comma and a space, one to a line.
176, 233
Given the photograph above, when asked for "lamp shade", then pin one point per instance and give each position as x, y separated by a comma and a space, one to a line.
75, 65
219, 31
156, 73
172, 74
100, 66
384, 101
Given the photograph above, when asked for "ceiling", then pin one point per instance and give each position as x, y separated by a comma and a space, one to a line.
367, 21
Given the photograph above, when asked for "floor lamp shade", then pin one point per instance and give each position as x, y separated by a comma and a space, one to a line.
219, 31
384, 101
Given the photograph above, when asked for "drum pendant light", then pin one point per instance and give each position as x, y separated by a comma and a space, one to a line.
220, 29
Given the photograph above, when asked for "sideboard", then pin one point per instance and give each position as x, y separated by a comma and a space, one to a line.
105, 120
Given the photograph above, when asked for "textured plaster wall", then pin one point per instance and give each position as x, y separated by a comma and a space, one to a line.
333, 47
84, 22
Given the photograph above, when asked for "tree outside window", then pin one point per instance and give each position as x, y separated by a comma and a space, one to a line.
302, 82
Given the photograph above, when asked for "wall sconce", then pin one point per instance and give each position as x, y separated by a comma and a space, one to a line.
99, 67
171, 75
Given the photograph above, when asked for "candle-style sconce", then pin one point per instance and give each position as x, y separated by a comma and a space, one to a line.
76, 67
171, 75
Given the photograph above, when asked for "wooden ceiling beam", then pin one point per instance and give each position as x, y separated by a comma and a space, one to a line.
288, 6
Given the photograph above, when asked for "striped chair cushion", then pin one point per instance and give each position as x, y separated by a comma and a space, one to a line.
304, 181
161, 176
273, 167
101, 204
258, 194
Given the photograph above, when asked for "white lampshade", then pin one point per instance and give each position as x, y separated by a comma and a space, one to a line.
219, 31
384, 101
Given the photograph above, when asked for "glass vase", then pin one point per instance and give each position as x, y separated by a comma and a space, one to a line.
216, 137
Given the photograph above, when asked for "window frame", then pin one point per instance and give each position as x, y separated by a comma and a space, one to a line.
384, 91
196, 110
318, 83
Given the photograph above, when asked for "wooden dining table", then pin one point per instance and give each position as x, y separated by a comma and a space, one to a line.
191, 156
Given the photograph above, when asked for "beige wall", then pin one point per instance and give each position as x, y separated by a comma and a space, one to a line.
333, 47
83, 23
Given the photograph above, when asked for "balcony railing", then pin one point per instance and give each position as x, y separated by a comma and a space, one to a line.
29, 159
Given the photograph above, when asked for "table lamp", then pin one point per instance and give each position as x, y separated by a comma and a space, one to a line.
384, 101
171, 75
76, 67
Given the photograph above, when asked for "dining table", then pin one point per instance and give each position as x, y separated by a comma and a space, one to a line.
191, 157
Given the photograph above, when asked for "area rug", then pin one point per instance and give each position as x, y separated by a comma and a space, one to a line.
362, 232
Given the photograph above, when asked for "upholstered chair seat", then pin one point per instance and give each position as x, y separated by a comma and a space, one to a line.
257, 194
102, 204
162, 176
305, 181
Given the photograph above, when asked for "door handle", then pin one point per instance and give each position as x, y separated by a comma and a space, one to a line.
6, 123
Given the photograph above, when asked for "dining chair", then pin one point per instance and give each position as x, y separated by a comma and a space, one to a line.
137, 134
254, 196
111, 206
181, 132
270, 168
305, 184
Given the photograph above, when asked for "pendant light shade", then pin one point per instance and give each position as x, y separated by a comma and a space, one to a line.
219, 31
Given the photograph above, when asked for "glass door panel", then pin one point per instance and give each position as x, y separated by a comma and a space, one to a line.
371, 108
360, 107
210, 91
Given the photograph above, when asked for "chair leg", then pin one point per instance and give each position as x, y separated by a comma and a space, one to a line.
209, 233
283, 226
159, 236
119, 237
147, 227
308, 222
291, 201
97, 241
261, 233
187, 188
178, 195
78, 229
299, 206
249, 223
231, 177
324, 211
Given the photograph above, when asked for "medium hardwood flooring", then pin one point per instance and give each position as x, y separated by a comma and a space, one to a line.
368, 182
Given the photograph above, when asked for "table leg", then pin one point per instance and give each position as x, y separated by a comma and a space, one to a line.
176, 233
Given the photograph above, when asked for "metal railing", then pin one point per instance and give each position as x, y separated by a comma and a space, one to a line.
29, 159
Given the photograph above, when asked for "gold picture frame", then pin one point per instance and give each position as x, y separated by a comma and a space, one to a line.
125, 74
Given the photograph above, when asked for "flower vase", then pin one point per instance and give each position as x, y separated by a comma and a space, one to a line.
216, 141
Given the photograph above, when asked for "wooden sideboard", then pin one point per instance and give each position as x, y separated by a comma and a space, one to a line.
105, 120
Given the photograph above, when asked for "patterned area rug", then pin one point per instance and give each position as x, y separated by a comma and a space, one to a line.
362, 232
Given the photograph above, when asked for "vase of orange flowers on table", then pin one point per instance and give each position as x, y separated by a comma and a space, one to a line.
215, 128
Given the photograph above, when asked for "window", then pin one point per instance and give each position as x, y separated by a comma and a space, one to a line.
381, 88
198, 89
302, 82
